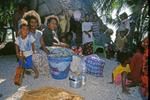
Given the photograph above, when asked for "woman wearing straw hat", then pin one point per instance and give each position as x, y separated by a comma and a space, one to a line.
50, 35
40, 57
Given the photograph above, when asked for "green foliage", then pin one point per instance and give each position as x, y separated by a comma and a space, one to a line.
139, 7
6, 12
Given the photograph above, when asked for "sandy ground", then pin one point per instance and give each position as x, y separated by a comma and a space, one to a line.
95, 88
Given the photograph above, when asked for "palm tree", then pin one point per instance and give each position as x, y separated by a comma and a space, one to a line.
139, 12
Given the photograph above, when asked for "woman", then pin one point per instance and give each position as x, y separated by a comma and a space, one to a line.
50, 35
39, 58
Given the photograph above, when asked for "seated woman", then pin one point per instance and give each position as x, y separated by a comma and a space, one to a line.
40, 57
50, 35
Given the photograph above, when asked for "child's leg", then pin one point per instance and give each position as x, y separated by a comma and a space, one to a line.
124, 87
36, 72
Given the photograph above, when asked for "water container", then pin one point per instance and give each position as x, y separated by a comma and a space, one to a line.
59, 67
59, 60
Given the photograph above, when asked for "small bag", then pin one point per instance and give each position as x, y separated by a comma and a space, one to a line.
18, 75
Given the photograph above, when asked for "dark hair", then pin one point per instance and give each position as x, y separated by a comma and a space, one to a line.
139, 47
123, 56
28, 18
124, 16
50, 19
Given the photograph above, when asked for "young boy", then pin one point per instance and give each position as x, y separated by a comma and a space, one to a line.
25, 48
121, 72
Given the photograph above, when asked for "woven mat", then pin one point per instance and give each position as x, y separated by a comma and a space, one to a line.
50, 93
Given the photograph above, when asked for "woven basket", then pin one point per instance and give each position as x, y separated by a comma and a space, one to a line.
50, 93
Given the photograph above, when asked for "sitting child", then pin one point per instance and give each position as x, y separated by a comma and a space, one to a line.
120, 74
25, 48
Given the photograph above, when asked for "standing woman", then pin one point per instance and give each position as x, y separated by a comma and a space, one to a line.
40, 57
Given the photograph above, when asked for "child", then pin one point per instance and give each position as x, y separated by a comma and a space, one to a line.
25, 47
121, 72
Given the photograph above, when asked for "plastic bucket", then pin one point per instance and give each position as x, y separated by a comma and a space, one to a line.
59, 66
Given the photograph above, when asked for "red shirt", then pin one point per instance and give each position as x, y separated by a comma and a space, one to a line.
136, 67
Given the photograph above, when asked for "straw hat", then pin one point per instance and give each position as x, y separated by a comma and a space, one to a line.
51, 16
30, 13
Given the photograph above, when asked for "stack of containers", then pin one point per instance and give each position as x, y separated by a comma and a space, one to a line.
94, 65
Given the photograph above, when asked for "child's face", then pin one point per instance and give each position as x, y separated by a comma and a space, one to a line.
24, 31
52, 25
33, 23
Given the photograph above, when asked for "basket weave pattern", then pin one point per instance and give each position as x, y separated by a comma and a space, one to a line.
50, 93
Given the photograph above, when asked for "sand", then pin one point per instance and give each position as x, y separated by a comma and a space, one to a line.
96, 88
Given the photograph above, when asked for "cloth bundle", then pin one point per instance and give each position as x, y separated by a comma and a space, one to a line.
94, 65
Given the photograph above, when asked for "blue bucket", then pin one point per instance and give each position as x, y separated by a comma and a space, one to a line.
59, 66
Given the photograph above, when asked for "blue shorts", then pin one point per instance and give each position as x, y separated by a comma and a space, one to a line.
27, 64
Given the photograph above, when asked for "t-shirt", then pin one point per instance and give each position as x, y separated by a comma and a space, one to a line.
25, 45
119, 69
87, 26
37, 35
